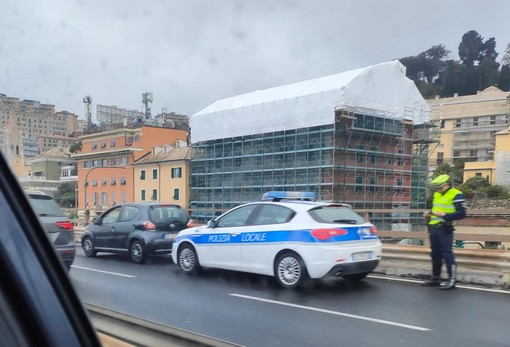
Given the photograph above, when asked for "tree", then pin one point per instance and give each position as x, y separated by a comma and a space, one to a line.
470, 48
506, 56
66, 195
504, 78
75, 147
425, 68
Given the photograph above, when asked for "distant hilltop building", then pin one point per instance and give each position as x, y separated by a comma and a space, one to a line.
33, 119
111, 117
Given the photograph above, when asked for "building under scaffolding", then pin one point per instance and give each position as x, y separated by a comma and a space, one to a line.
374, 160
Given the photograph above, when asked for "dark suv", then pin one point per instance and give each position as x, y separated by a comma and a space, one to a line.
59, 228
139, 229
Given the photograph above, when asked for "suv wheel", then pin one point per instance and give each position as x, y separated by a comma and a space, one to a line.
136, 252
88, 247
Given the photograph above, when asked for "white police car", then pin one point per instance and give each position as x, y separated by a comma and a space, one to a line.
289, 237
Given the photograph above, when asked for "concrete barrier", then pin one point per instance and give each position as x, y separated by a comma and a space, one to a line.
480, 267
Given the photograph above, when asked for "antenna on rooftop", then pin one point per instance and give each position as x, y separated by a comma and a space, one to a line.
146, 100
88, 105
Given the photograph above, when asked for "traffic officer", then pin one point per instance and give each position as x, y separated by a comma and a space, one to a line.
448, 205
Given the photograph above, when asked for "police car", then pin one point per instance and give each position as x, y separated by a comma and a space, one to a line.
287, 235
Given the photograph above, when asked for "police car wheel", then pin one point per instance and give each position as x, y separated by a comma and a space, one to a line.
290, 270
355, 277
88, 247
188, 260
136, 252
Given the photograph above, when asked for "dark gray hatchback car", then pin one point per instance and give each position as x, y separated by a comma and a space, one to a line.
57, 225
139, 229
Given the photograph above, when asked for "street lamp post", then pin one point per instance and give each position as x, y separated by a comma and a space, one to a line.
86, 184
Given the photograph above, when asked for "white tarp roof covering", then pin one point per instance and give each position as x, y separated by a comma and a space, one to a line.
383, 87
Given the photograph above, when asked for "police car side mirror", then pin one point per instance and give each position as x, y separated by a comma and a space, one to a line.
212, 223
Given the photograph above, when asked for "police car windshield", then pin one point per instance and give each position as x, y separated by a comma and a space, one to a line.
335, 214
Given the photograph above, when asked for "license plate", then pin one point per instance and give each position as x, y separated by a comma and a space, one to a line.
362, 256
169, 236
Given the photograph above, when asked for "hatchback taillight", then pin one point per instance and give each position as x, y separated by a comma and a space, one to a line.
325, 233
65, 225
148, 225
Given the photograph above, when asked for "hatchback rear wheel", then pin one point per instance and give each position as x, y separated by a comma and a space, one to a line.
136, 252
290, 270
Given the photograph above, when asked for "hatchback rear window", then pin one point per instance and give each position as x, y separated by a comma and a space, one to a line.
165, 214
45, 206
335, 214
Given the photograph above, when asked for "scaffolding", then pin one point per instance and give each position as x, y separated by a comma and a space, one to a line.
365, 158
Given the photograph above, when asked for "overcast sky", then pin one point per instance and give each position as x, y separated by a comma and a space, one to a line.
189, 53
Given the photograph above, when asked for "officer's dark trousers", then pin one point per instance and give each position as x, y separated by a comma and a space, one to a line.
441, 245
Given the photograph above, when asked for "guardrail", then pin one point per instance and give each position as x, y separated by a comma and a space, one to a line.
479, 266
139, 332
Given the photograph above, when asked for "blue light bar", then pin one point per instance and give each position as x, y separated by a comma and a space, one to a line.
281, 195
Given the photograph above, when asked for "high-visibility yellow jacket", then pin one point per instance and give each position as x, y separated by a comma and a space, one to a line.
444, 203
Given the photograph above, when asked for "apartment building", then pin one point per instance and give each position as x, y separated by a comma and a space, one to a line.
163, 175
105, 162
48, 170
34, 119
468, 126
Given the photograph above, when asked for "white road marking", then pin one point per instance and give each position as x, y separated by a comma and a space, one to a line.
105, 272
336, 313
388, 278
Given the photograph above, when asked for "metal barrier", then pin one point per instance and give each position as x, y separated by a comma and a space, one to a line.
140, 332
478, 266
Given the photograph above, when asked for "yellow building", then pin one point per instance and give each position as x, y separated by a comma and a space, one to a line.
468, 127
163, 175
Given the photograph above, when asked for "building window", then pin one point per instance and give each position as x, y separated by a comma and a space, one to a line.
154, 196
154, 174
177, 172
103, 182
104, 199
473, 153
442, 124
440, 158
493, 120
373, 184
142, 195
456, 153
475, 120
176, 194
94, 145
478, 174
123, 180
359, 183
112, 143
458, 122
113, 181
142, 175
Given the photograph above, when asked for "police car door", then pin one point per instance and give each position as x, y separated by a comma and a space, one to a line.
264, 237
222, 246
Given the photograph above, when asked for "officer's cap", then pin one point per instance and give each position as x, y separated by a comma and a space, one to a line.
439, 181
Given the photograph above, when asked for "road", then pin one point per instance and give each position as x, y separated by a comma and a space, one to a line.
253, 310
